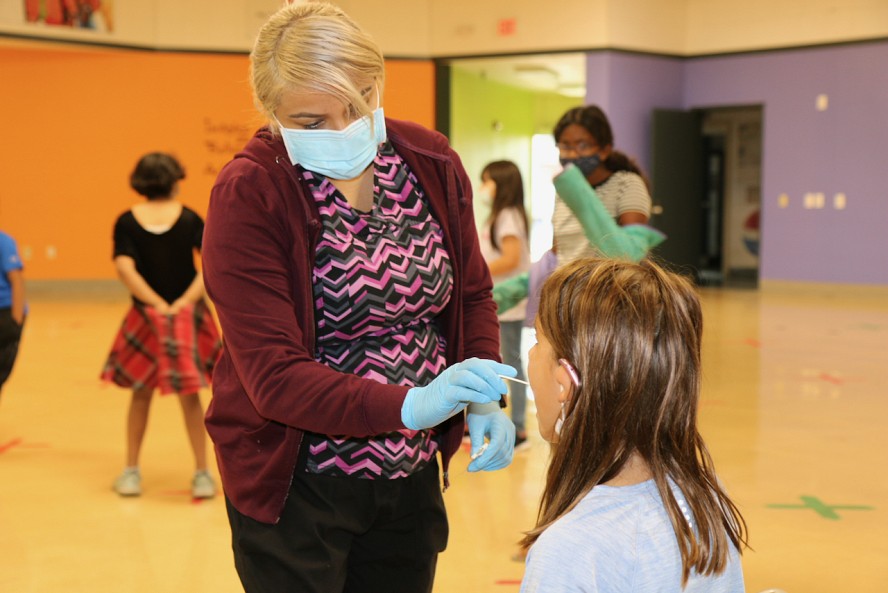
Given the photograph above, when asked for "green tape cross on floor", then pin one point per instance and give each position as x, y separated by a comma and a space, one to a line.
827, 511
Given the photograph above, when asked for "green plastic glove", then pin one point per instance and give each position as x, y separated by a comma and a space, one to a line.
509, 293
631, 241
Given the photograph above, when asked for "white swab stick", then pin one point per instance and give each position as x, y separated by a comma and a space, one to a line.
514, 379
481, 450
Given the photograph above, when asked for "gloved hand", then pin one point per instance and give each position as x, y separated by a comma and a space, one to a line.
471, 381
630, 242
488, 420
508, 293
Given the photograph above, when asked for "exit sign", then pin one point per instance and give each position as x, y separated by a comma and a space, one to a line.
506, 27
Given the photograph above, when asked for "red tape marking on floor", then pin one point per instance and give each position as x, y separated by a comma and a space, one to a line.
830, 379
6, 447
184, 493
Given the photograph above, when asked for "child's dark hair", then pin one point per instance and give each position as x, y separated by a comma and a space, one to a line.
509, 192
156, 174
593, 119
633, 333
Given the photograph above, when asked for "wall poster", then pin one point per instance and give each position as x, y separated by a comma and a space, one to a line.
97, 15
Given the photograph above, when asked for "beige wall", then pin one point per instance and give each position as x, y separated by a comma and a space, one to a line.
225, 25
466, 27
434, 28
401, 27
715, 26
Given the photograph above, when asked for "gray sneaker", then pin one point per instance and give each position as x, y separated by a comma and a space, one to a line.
129, 483
202, 485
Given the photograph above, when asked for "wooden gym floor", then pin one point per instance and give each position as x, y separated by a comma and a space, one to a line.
794, 411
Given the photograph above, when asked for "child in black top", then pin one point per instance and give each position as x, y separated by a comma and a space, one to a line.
168, 340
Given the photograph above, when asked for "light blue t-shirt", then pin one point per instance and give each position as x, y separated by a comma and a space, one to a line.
616, 540
9, 261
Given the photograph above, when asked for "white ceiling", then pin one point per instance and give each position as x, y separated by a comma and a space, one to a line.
558, 73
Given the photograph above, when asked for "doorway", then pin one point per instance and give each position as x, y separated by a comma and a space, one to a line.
504, 108
706, 174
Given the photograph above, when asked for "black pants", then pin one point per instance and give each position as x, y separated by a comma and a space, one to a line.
10, 333
343, 535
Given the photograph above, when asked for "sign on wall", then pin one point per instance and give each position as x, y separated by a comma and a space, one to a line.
97, 15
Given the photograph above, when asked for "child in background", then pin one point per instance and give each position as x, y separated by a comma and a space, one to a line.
12, 305
168, 340
504, 245
631, 496
602, 203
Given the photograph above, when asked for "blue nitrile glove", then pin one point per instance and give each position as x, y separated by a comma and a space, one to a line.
488, 420
632, 241
471, 381
508, 293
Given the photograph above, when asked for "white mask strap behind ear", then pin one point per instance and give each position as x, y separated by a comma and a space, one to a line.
560, 422
575, 379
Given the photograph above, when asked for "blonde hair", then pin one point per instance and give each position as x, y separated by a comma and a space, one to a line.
633, 332
314, 47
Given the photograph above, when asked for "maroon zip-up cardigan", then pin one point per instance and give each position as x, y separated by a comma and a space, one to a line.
258, 254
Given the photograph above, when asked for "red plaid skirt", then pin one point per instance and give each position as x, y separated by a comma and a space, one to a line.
173, 353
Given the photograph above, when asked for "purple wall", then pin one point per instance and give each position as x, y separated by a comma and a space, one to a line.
842, 149
628, 88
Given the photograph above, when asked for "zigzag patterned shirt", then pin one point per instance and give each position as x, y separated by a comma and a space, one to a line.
380, 279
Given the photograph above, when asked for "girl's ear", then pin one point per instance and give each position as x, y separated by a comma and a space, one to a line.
570, 370
567, 379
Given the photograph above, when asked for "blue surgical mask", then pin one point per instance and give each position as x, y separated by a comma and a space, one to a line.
337, 154
586, 164
484, 196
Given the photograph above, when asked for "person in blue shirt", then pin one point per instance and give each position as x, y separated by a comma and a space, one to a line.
631, 494
12, 305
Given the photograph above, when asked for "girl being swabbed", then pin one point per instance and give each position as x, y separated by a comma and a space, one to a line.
631, 494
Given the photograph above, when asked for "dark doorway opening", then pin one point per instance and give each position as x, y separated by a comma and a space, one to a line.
706, 177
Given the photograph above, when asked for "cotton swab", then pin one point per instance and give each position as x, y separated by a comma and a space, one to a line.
481, 450
514, 379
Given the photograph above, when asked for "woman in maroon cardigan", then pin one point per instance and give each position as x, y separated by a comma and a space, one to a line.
342, 257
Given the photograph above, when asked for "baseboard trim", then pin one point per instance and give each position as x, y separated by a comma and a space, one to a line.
76, 289
879, 291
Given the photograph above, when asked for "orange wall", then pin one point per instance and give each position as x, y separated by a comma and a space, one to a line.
76, 120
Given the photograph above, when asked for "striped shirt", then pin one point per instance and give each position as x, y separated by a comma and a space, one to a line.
622, 192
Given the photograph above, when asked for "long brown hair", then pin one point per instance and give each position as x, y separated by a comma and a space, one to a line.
509, 193
633, 333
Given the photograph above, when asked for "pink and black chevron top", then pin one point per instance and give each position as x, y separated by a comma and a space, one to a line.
380, 279
269, 390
